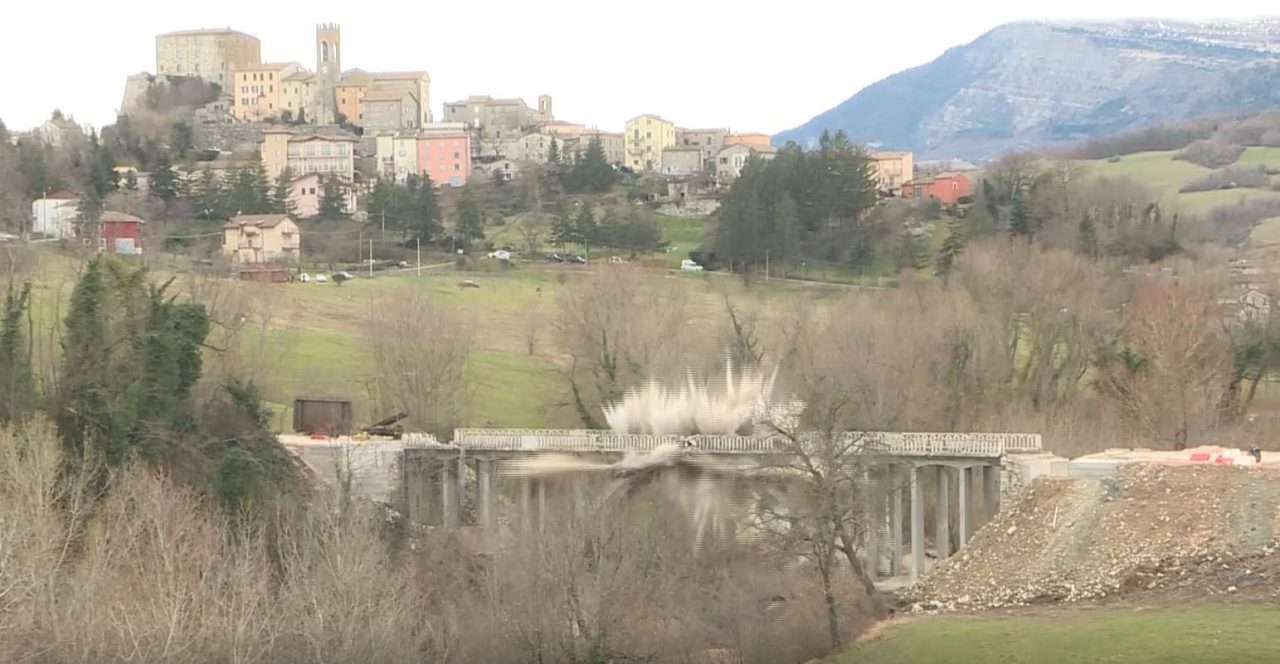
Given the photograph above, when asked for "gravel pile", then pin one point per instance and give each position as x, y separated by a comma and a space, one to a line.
1191, 528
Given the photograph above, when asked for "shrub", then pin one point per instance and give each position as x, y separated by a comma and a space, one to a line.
1211, 153
1230, 178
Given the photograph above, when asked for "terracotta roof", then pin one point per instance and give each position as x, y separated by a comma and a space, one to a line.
60, 195
116, 217
259, 220
299, 76
754, 147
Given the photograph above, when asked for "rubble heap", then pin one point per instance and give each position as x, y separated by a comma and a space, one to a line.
1199, 529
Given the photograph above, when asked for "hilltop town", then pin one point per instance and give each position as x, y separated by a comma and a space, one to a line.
335, 129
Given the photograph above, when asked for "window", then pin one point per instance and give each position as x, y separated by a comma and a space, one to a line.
271, 88
456, 155
457, 167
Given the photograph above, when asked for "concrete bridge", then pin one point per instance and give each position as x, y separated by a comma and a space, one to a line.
432, 482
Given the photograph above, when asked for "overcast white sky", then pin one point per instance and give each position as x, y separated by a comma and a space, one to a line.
748, 66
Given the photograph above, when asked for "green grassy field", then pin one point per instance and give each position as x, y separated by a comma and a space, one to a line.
1266, 232
1197, 634
1166, 175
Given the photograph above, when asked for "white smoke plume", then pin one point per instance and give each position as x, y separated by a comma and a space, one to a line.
735, 406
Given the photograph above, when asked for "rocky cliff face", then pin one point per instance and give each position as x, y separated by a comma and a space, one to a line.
1026, 85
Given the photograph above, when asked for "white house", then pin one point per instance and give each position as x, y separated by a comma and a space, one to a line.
55, 215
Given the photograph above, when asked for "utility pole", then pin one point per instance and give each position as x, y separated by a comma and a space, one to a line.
418, 241
384, 225
371, 257
766, 265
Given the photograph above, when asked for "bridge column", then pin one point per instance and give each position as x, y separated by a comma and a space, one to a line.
874, 523
449, 493
484, 489
942, 516
965, 493
917, 524
542, 505
895, 521
991, 491
525, 488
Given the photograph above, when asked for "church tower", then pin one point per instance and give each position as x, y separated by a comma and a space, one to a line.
328, 69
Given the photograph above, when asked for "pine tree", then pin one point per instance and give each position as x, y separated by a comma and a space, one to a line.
591, 172
163, 184
553, 153
17, 388
563, 229
82, 398
333, 199
470, 218
210, 196
914, 253
952, 247
261, 186
585, 228
1087, 237
281, 201
425, 221
1021, 224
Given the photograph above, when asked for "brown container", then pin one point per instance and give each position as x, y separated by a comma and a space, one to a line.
322, 415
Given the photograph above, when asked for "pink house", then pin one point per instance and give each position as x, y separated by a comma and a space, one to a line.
445, 157
305, 193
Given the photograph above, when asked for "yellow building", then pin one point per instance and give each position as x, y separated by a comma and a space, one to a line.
210, 54
644, 140
258, 92
893, 169
356, 85
261, 238
323, 152
298, 96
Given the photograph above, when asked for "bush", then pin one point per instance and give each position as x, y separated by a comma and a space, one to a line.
1230, 178
1212, 153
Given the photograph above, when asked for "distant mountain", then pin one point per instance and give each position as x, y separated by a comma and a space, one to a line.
1026, 85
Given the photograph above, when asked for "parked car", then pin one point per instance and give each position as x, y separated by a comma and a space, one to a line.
304, 278
577, 260
403, 264
320, 279
555, 258
690, 266
501, 254
343, 275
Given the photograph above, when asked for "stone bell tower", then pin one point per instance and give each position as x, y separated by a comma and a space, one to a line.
328, 69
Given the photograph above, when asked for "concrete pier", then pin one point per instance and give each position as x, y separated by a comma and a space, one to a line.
965, 493
917, 524
942, 513
895, 522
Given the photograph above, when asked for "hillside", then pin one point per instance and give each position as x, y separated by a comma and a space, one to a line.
1027, 85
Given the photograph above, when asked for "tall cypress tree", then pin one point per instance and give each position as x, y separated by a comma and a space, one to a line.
333, 199
281, 201
1021, 223
17, 388
83, 409
951, 249
470, 218
426, 222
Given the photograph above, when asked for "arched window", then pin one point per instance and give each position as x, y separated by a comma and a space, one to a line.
324, 51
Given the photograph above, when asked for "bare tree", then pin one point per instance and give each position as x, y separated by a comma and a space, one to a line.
421, 350
618, 329
1171, 369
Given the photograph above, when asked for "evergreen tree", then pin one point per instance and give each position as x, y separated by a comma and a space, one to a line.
97, 182
1087, 237
180, 139
1021, 223
333, 198
952, 247
163, 184
281, 201
83, 399
553, 153
990, 199
591, 172
563, 229
470, 218
131, 181
427, 221
301, 119
261, 186
17, 387
585, 228
241, 198
914, 254
210, 196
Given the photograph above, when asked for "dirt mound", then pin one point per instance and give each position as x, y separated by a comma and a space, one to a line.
1153, 529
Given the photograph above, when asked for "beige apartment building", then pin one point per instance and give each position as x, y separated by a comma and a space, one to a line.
390, 109
612, 143
261, 238
210, 54
303, 153
893, 169
258, 92
299, 96
733, 158
645, 138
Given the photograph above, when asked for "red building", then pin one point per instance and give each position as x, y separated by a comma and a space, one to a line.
121, 233
946, 188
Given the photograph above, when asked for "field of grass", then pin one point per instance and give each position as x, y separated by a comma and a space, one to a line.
1166, 175
1199, 634
1266, 232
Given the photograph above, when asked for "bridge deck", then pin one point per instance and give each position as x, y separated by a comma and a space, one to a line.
977, 445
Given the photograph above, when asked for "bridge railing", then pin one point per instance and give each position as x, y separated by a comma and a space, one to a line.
989, 445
